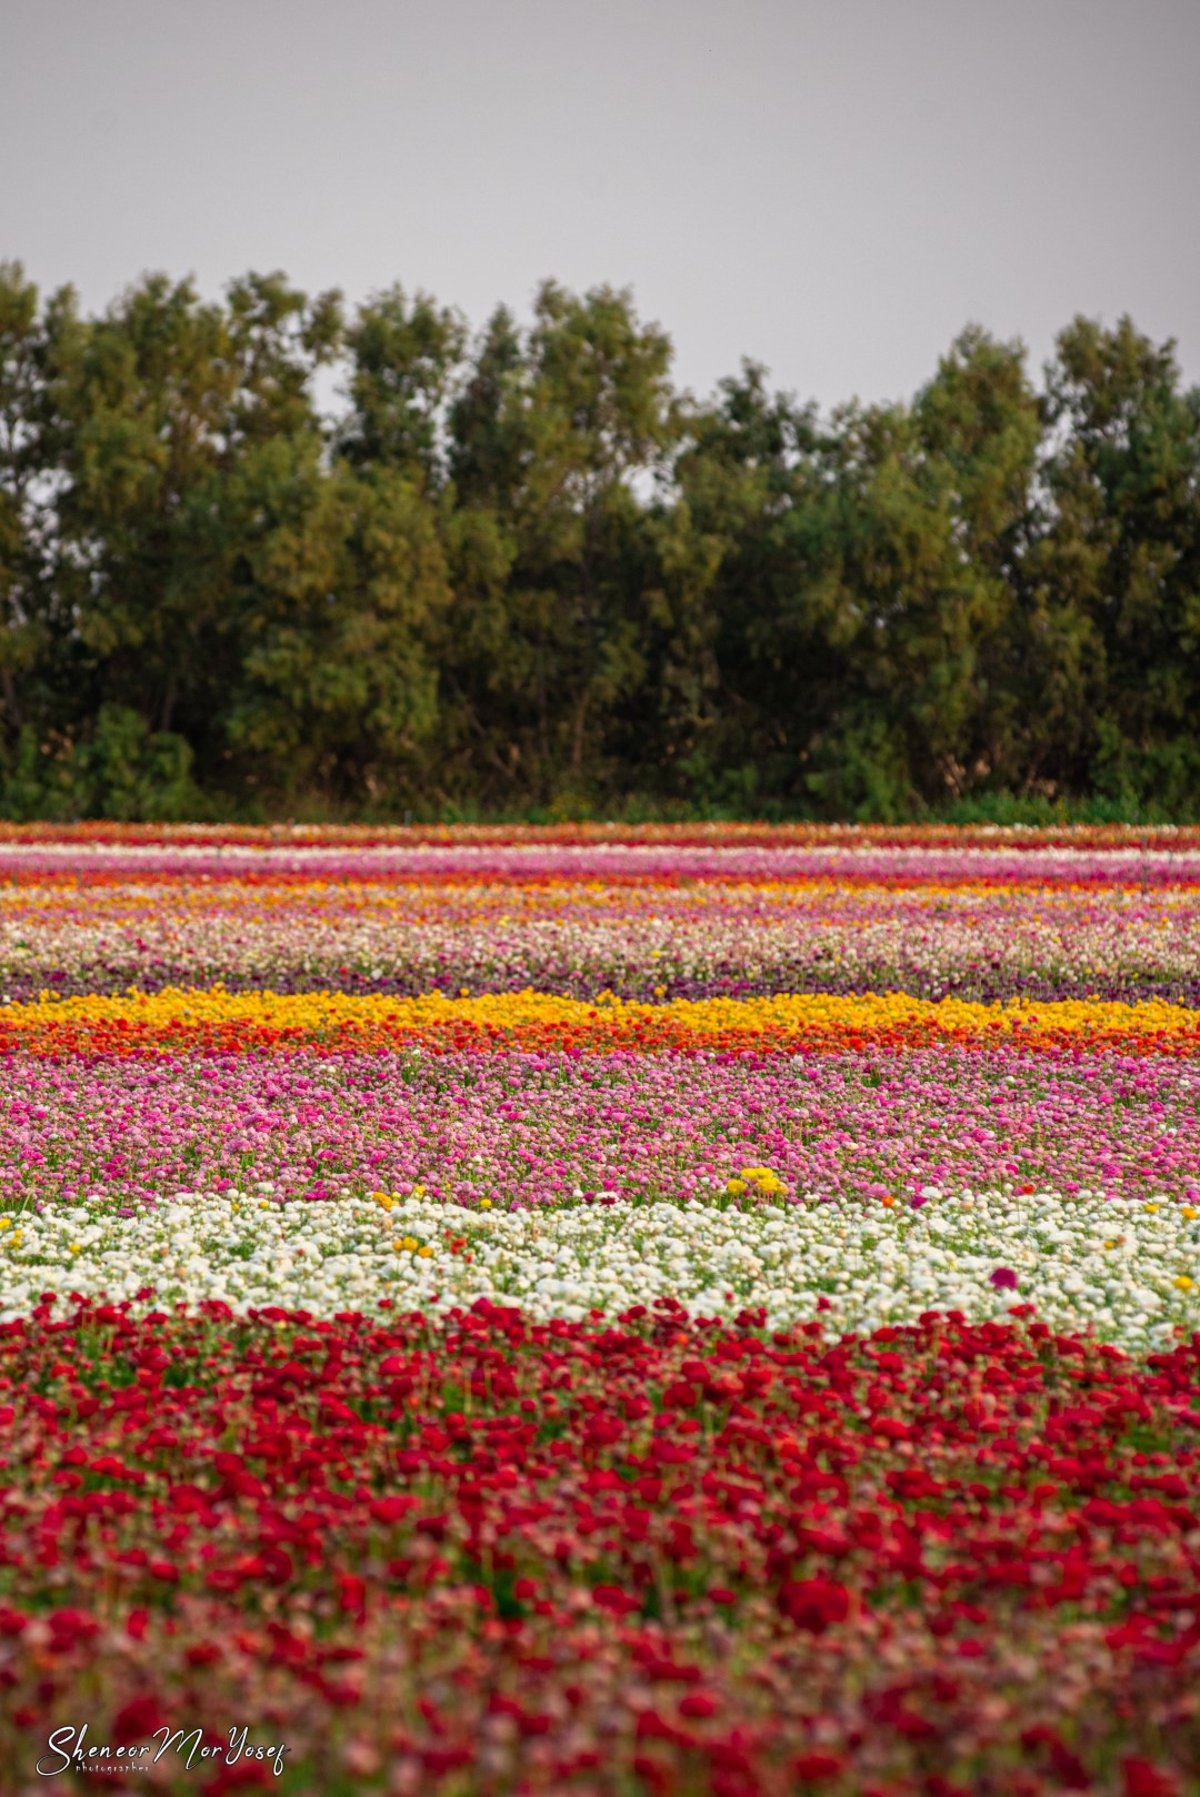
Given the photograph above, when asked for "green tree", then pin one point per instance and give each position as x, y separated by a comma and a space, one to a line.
744, 677
152, 408
980, 430
1123, 549
554, 440
26, 600
525, 571
339, 588
404, 357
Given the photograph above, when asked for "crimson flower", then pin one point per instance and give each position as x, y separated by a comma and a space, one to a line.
1144, 1780
140, 1717
813, 1604
815, 1766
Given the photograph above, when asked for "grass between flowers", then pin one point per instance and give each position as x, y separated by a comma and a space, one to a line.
703, 1374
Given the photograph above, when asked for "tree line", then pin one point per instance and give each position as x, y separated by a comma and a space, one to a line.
519, 571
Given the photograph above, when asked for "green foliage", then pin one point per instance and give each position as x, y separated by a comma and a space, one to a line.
403, 358
860, 773
520, 574
337, 602
119, 770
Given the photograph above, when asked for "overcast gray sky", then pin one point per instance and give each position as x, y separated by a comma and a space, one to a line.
834, 187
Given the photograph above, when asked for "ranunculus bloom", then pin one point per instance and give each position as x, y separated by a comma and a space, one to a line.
813, 1604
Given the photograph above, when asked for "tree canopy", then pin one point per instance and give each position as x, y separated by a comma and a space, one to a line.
518, 569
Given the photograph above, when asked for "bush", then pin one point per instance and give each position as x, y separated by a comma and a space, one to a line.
121, 770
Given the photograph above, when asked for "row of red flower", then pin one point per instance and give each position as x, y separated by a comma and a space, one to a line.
662, 1556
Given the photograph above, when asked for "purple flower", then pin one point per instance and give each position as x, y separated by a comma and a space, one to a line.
1004, 1279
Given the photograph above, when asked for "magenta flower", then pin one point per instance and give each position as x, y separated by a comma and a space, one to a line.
1004, 1279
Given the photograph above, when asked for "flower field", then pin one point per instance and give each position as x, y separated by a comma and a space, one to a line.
711, 1311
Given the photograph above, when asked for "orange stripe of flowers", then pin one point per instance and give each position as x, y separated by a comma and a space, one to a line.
175, 1019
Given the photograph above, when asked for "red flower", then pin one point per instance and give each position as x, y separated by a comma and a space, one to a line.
242, 1776
392, 1509
612, 1597
71, 1628
813, 1604
814, 1768
698, 1704
1144, 1780
140, 1717
352, 1593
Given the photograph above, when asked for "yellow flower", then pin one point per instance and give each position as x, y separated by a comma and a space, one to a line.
736, 1187
809, 1016
1189, 1211
1183, 1283
1150, 1207
765, 1178
425, 1253
485, 1204
5, 1222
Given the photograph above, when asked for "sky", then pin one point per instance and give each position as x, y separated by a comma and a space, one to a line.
832, 187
